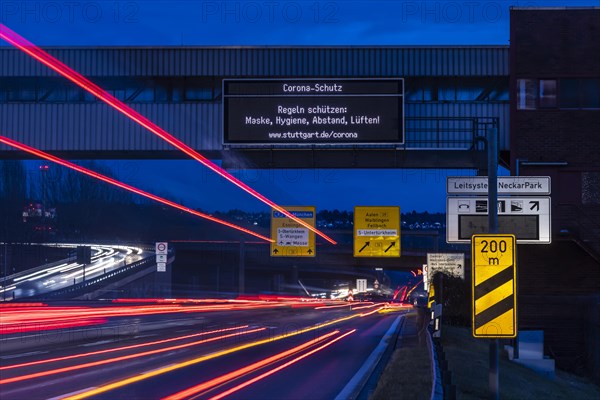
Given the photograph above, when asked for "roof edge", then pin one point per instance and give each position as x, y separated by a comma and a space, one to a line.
269, 47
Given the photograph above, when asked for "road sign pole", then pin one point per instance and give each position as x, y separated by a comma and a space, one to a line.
492, 145
493, 179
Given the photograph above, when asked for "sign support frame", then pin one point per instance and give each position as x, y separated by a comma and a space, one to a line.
492, 145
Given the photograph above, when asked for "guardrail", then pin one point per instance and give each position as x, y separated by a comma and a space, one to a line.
105, 279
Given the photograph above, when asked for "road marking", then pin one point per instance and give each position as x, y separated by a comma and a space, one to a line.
96, 343
33, 353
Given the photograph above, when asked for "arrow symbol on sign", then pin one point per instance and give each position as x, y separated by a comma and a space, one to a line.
275, 251
535, 204
389, 247
310, 251
364, 247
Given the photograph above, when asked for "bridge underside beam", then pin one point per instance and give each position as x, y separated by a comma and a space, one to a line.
299, 158
351, 158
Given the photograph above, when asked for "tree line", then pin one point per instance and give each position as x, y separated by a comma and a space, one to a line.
86, 209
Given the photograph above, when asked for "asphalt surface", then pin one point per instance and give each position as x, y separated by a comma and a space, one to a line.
268, 352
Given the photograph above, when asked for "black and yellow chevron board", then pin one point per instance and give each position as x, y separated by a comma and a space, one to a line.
431, 297
494, 286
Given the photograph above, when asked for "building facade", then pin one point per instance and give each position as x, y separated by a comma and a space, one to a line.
555, 131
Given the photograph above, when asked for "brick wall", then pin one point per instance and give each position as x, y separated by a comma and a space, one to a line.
555, 44
559, 44
551, 43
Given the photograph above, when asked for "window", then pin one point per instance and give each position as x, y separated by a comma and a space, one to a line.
590, 93
547, 93
579, 93
569, 96
447, 92
527, 92
198, 94
129, 90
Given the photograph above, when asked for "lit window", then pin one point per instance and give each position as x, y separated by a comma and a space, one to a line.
526, 94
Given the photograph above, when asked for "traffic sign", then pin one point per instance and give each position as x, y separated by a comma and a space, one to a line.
451, 264
494, 286
518, 185
290, 239
431, 297
425, 277
161, 248
361, 285
376, 231
528, 218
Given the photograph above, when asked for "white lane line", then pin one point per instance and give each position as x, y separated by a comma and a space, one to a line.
33, 353
96, 343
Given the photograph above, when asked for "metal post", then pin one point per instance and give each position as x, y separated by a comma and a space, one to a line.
493, 179
515, 341
492, 136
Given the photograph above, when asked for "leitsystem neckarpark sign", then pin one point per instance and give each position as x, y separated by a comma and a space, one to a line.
524, 208
293, 111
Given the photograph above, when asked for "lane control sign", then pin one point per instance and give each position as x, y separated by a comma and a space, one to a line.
494, 286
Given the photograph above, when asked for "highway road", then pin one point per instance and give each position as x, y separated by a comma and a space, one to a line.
59, 275
237, 349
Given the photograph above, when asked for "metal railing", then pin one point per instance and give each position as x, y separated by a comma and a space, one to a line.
447, 133
578, 223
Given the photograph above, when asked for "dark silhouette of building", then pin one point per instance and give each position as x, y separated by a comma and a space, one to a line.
555, 131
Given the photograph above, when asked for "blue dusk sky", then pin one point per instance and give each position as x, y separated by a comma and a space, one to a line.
276, 23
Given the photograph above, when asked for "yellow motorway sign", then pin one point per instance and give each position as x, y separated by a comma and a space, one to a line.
290, 239
376, 231
494, 286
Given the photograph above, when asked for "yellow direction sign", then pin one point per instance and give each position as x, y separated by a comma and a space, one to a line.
376, 231
494, 286
290, 239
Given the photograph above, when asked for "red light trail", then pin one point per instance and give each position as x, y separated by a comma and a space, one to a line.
247, 369
372, 312
123, 358
274, 370
111, 350
125, 186
140, 377
35, 52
